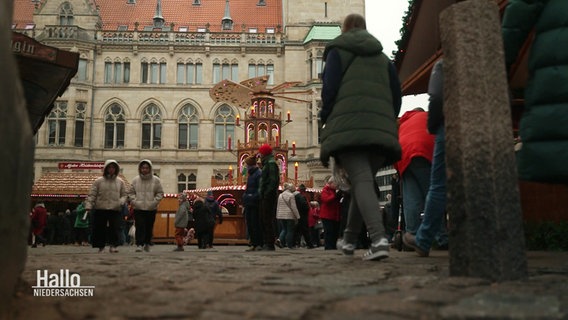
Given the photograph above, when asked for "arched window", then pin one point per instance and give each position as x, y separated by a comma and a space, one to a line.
151, 127
262, 132
224, 126
188, 127
115, 121
80, 110
57, 123
66, 14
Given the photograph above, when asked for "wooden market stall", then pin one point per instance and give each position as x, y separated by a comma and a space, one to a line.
418, 50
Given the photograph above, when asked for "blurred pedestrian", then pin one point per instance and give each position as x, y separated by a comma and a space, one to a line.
329, 213
216, 215
39, 222
433, 226
251, 204
181, 221
145, 195
415, 165
81, 225
542, 155
106, 197
287, 216
268, 190
361, 100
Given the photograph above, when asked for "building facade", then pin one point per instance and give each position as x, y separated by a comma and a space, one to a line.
146, 68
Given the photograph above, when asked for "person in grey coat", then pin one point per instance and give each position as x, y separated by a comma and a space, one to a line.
181, 220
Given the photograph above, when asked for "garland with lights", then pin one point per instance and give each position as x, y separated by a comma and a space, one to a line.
404, 34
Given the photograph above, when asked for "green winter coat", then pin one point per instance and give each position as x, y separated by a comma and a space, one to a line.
79, 222
363, 116
544, 123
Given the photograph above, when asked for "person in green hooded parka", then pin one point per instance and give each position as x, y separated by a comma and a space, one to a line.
544, 123
361, 99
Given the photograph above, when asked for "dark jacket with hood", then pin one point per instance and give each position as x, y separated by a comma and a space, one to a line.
543, 129
361, 98
146, 192
251, 197
107, 192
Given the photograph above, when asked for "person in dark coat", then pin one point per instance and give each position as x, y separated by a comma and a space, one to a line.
268, 190
216, 215
543, 131
203, 223
361, 100
251, 204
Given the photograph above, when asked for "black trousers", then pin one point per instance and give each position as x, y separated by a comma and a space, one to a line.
268, 218
105, 228
144, 223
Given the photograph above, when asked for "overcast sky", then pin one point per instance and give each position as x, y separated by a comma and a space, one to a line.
384, 21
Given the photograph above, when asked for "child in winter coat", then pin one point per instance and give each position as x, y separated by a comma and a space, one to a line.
181, 220
203, 223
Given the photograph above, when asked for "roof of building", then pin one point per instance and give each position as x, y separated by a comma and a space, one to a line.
324, 33
181, 13
67, 184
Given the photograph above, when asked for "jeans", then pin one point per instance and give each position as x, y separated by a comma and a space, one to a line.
435, 207
415, 184
287, 232
361, 167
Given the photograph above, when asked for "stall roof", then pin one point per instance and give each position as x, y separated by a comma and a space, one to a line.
423, 48
66, 184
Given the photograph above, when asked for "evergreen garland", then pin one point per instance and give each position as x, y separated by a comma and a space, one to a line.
404, 34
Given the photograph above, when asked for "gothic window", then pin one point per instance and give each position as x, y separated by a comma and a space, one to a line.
114, 127
151, 127
188, 127
66, 14
56, 124
224, 126
80, 110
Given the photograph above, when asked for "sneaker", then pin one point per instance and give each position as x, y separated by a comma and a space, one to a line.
410, 240
101, 250
253, 248
147, 248
178, 249
139, 249
113, 250
278, 243
347, 248
378, 250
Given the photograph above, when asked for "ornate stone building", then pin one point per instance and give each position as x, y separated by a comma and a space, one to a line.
145, 70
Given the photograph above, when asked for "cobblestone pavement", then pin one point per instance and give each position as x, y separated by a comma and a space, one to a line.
228, 283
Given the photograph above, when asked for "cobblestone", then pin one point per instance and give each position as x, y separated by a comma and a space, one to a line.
228, 283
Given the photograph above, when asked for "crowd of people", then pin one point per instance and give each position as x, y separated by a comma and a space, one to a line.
358, 82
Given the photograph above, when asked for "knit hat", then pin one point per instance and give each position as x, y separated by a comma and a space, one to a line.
265, 149
250, 161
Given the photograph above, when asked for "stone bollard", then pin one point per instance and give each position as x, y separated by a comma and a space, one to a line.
15, 167
485, 227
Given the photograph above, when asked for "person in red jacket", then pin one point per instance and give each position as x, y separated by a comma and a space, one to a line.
414, 166
39, 221
330, 214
